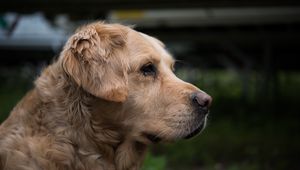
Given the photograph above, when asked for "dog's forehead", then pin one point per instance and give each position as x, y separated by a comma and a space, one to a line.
159, 46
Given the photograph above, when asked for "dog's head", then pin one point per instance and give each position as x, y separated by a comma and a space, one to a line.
133, 74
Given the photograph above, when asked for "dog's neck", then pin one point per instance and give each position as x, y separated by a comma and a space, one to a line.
93, 127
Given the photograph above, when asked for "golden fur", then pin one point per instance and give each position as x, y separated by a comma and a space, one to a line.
93, 109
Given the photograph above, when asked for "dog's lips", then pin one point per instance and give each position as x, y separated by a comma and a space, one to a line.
196, 131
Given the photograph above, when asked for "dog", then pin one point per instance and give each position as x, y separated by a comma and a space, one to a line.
111, 93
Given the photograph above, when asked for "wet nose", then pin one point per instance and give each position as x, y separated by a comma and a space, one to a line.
201, 101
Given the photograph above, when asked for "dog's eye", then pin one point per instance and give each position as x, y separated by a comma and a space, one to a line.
148, 70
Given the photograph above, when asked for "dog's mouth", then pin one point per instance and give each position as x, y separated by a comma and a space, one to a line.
154, 138
196, 131
200, 125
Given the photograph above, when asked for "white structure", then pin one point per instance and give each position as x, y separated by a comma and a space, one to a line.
31, 32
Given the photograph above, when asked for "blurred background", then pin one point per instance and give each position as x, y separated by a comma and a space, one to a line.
244, 53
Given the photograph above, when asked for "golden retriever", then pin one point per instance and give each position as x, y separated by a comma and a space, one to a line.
110, 94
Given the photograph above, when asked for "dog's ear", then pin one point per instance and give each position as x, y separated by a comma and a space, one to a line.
95, 58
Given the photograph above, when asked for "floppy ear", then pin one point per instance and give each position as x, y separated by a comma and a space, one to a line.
94, 58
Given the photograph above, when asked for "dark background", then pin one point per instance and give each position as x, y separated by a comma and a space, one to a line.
243, 53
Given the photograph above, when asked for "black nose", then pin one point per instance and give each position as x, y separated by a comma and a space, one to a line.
201, 101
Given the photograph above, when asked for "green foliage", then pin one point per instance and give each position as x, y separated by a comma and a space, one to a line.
8, 100
154, 162
15, 83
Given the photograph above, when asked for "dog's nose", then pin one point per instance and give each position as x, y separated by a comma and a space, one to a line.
201, 101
